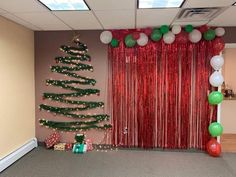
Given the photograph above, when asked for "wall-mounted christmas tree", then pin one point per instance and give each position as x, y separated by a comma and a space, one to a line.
69, 66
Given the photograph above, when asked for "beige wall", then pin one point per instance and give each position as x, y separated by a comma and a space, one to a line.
229, 69
228, 114
17, 110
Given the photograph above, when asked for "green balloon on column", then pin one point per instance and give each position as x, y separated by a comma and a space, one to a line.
114, 42
129, 41
209, 35
215, 97
215, 129
164, 29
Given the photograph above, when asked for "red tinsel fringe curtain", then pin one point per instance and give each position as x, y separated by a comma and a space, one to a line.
158, 95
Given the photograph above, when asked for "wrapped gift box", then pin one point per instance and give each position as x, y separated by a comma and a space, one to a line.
69, 146
52, 140
89, 144
79, 148
59, 146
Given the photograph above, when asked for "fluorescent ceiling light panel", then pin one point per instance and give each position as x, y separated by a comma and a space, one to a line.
65, 4
149, 4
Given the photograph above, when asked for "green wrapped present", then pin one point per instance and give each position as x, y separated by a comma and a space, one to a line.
79, 148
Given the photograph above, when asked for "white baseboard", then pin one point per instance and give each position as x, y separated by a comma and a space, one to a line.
17, 154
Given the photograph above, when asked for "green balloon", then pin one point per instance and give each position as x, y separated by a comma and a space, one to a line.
128, 37
188, 28
209, 35
114, 42
129, 41
156, 35
164, 29
215, 97
215, 129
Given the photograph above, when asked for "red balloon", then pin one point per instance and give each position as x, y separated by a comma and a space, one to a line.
213, 148
182, 38
218, 45
148, 31
136, 35
203, 28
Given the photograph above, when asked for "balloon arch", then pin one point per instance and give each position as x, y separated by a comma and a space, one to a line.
141, 37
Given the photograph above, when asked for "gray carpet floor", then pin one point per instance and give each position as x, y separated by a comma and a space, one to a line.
122, 163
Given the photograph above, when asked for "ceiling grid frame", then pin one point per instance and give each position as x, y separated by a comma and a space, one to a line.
111, 14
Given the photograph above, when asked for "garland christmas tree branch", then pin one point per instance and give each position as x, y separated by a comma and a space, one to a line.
71, 126
65, 82
80, 44
58, 69
79, 93
75, 51
84, 57
74, 123
66, 112
79, 66
67, 86
89, 104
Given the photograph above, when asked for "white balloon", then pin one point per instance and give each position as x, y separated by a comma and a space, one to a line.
169, 38
217, 62
176, 29
195, 36
106, 37
220, 31
143, 39
216, 79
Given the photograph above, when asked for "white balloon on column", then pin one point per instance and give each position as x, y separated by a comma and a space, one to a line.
220, 31
169, 38
195, 36
142, 40
216, 79
176, 29
106, 37
217, 62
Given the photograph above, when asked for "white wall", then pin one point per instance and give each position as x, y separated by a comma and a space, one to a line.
17, 95
228, 109
228, 116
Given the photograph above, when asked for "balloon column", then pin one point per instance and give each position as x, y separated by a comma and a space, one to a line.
141, 37
215, 98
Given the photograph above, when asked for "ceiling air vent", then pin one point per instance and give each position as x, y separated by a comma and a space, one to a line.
199, 14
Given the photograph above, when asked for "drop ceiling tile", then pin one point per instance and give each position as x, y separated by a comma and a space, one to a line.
155, 17
207, 3
116, 19
3, 11
20, 21
226, 18
22, 6
79, 20
111, 4
194, 23
45, 20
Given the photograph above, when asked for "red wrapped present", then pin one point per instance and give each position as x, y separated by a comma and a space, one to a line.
68, 146
52, 140
89, 144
